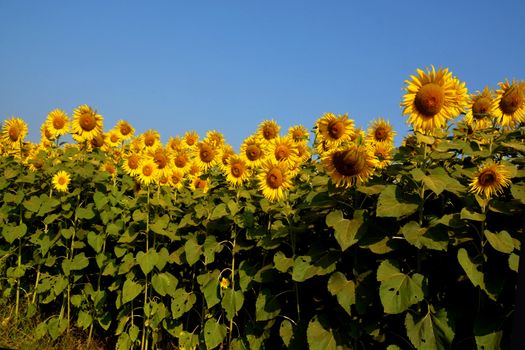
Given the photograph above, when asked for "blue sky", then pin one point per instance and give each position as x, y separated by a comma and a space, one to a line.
228, 65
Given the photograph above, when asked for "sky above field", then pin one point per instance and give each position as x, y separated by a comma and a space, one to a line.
176, 66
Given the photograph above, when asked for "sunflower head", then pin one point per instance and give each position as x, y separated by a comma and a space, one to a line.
124, 129
382, 151
147, 171
206, 155
380, 131
215, 138
151, 139
298, 133
176, 179
199, 183
283, 149
480, 110
113, 138
57, 122
510, 103
131, 163
334, 130
61, 181
253, 151
490, 179
274, 180
86, 124
14, 131
237, 171
268, 130
191, 138
176, 144
349, 165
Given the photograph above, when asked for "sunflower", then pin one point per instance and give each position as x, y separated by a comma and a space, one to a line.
274, 180
380, 131
131, 163
35, 158
198, 183
206, 155
298, 133
332, 130
176, 144
13, 133
430, 99
303, 152
215, 138
225, 283
191, 138
510, 103
461, 96
481, 109
237, 170
57, 122
109, 167
125, 130
194, 169
350, 165
99, 141
226, 152
163, 161
113, 138
150, 139
136, 145
182, 160
490, 179
253, 151
283, 149
176, 179
61, 180
147, 171
46, 136
268, 130
86, 124
383, 153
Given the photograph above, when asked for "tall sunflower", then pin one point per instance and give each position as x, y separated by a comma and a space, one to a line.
182, 160
226, 152
57, 122
61, 181
113, 138
510, 103
86, 124
253, 150
481, 109
215, 138
199, 183
150, 139
274, 180
163, 160
206, 155
383, 153
298, 133
14, 131
237, 171
283, 149
147, 171
490, 179
176, 144
125, 130
350, 165
131, 163
333, 130
191, 138
430, 99
380, 131
268, 129
46, 136
176, 179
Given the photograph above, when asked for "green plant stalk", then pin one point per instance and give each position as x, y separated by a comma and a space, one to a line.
230, 328
144, 342
37, 280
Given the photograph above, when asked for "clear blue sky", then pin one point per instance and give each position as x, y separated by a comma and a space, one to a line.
228, 65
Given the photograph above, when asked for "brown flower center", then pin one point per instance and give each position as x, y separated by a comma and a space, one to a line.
200, 183
253, 152
381, 133
59, 122
14, 133
511, 100
336, 129
37, 163
48, 134
481, 107
206, 153
133, 162
114, 138
237, 169
282, 152
175, 178
348, 163
147, 170
430, 99
87, 121
180, 161
62, 180
269, 132
487, 178
149, 140
274, 178
125, 129
161, 160
98, 141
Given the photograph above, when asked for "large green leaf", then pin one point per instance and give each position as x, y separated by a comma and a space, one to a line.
345, 229
193, 250
398, 291
130, 290
95, 240
425, 237
267, 306
232, 302
343, 289
501, 241
389, 205
164, 283
432, 332
209, 283
489, 341
148, 260
320, 338
470, 215
214, 333
473, 271
11, 233
308, 266
182, 302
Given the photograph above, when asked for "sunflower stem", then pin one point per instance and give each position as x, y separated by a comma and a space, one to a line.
144, 342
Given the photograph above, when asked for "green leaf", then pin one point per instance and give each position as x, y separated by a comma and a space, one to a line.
79, 262
473, 271
148, 260
518, 191
470, 215
267, 306
209, 283
160, 224
96, 241
345, 230
514, 262
306, 266
182, 302
210, 247
343, 289
47, 206
397, 290
130, 290
286, 332
86, 213
193, 250
501, 241
218, 212
320, 338
100, 200
232, 302
123, 342
214, 333
84, 319
489, 341
424, 237
11, 233
32, 204
388, 204
435, 182
56, 327
432, 332
281, 262
164, 283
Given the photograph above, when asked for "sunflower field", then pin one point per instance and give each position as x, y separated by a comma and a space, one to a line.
334, 239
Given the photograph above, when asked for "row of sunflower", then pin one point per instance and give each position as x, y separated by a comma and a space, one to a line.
339, 241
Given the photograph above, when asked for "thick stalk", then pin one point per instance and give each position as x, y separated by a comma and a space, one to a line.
144, 342
230, 331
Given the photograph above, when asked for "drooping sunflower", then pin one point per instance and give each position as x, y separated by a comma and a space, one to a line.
150, 139
481, 109
253, 151
274, 180
61, 180
303, 152
125, 130
109, 167
206, 155
283, 149
460, 95
383, 153
35, 158
380, 131
510, 103
86, 124
490, 179
237, 171
57, 122
194, 169
430, 99
147, 171
130, 164
268, 130
199, 183
46, 136
191, 138
350, 165
14, 131
333, 130
298, 133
